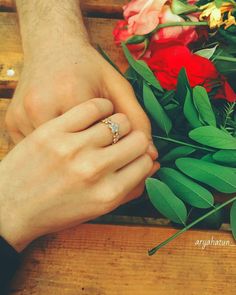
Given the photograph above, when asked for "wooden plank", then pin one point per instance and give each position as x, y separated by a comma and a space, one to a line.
5, 141
11, 56
108, 8
112, 260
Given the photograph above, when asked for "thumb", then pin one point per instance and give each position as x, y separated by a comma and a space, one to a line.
125, 101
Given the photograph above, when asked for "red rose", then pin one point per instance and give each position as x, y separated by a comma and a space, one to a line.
121, 34
166, 61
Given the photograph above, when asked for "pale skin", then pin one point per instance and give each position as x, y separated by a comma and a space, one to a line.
67, 172
61, 73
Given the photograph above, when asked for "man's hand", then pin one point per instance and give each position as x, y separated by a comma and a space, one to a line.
55, 82
61, 69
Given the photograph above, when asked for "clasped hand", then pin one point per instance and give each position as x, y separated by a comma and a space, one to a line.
66, 172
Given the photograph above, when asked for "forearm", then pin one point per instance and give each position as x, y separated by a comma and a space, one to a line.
51, 23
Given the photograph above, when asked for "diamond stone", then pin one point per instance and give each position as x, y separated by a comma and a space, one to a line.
114, 127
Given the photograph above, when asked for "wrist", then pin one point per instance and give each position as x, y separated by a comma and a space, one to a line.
50, 24
13, 229
13, 234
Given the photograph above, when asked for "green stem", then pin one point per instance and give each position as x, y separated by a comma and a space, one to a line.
179, 24
184, 143
226, 58
154, 250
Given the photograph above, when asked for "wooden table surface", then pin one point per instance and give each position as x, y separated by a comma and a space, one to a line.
95, 259
112, 260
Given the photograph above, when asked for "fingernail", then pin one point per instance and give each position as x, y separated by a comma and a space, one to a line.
152, 151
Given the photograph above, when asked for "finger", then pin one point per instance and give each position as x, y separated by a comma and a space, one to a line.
137, 192
101, 134
133, 174
84, 115
16, 136
125, 151
125, 101
42, 116
24, 124
11, 126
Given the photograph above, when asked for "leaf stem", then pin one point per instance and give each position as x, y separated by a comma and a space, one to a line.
184, 143
179, 24
178, 233
225, 58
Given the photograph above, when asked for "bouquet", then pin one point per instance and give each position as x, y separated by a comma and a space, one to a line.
182, 67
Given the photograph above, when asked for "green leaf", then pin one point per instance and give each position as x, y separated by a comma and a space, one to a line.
179, 7
177, 152
167, 97
233, 219
218, 3
190, 111
165, 201
130, 74
182, 85
213, 137
228, 35
222, 64
219, 177
203, 105
226, 157
213, 221
186, 189
142, 69
180, 232
208, 158
154, 108
207, 52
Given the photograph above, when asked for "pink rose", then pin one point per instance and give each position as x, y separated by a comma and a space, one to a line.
183, 34
121, 34
142, 15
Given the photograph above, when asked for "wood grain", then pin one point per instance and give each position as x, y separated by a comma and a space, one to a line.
113, 260
5, 142
11, 55
109, 8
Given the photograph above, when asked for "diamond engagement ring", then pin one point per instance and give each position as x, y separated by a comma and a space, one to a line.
114, 127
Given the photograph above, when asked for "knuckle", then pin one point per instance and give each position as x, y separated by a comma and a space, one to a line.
87, 171
33, 105
16, 113
40, 137
93, 107
101, 104
60, 151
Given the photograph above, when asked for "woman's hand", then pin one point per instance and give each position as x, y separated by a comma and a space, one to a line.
56, 78
66, 172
